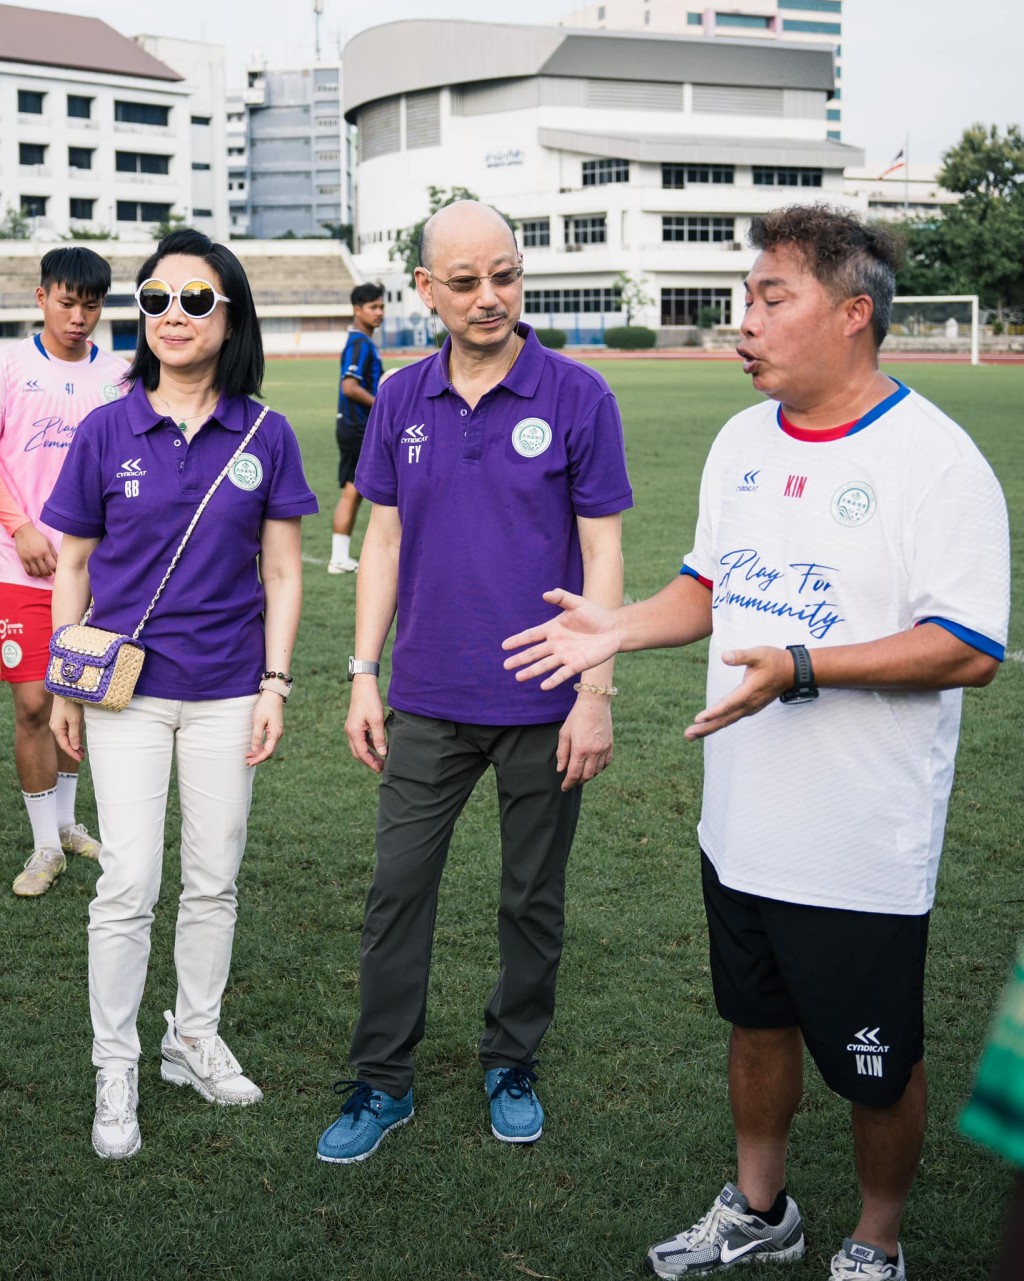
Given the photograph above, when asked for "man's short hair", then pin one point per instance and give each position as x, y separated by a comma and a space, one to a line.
81, 271
362, 294
844, 254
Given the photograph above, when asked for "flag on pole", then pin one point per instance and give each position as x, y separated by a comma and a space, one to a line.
897, 162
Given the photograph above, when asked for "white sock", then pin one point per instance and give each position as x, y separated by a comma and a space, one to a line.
67, 789
339, 546
42, 814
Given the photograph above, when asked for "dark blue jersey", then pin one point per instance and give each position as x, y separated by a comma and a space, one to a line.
360, 360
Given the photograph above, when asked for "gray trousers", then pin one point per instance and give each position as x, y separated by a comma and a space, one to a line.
430, 771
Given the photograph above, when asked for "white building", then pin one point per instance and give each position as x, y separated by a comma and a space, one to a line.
908, 191
813, 21
612, 152
97, 132
202, 66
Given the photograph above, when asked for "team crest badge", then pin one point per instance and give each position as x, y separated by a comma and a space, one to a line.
531, 437
111, 391
246, 472
853, 504
12, 654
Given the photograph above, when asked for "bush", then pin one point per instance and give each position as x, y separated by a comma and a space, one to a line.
551, 338
630, 337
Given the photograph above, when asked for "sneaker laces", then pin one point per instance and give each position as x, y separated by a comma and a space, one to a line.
114, 1105
359, 1100
216, 1062
516, 1082
714, 1225
41, 860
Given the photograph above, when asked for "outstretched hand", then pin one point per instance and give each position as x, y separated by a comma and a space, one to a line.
769, 673
582, 636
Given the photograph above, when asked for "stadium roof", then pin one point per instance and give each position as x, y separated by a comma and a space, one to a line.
47, 39
679, 149
406, 57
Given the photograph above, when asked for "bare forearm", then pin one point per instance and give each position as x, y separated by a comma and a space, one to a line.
71, 586
677, 615
377, 585
925, 658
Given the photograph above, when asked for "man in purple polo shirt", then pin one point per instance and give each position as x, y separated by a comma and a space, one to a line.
491, 466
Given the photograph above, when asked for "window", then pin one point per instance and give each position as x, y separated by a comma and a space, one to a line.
79, 108
600, 12
142, 211
698, 229
31, 153
536, 233
141, 113
201, 120
597, 172
822, 6
689, 175
236, 151
833, 113
80, 157
199, 165
30, 102
202, 213
141, 162
34, 206
684, 306
80, 208
781, 176
591, 230
694, 20
813, 28
570, 301
741, 20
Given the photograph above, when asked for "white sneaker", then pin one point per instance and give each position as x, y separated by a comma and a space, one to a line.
40, 871
346, 566
729, 1235
208, 1066
76, 840
115, 1131
865, 1262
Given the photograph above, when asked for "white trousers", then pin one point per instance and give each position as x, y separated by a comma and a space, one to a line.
130, 754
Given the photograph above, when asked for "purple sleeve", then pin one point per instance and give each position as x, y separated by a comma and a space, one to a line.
600, 482
375, 472
289, 495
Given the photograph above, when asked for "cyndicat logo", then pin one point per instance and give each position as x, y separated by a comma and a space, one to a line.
749, 485
131, 468
869, 1051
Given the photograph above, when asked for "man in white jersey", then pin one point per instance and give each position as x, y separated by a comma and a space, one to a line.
48, 383
851, 540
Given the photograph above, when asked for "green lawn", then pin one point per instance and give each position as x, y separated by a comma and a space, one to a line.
638, 1140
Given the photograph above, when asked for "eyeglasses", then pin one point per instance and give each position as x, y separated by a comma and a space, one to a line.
197, 298
466, 284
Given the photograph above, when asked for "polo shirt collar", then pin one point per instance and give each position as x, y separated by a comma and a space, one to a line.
522, 379
230, 412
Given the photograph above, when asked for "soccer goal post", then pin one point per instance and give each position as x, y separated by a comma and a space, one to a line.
937, 316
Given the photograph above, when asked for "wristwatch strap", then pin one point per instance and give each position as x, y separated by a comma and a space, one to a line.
804, 688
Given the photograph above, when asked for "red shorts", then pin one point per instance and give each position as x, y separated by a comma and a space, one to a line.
25, 630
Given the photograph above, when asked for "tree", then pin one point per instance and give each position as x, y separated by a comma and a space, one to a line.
977, 247
13, 225
173, 222
633, 293
406, 248
342, 231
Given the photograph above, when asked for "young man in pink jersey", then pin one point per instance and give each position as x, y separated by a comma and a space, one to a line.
48, 383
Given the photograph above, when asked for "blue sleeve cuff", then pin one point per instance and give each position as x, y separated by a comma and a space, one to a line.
975, 639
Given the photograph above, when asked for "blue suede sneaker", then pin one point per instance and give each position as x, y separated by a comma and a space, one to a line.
366, 1116
516, 1113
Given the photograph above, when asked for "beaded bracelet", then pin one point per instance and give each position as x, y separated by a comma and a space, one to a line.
581, 687
280, 676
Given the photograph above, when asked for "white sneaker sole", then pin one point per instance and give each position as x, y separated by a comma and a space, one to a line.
177, 1074
117, 1156
333, 568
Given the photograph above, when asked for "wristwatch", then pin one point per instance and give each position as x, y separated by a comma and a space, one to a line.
804, 688
359, 667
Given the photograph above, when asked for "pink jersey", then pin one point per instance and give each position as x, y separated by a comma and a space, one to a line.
42, 401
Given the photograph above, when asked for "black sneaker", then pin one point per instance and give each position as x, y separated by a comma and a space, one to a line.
726, 1236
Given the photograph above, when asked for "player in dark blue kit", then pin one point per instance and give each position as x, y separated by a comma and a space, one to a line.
360, 374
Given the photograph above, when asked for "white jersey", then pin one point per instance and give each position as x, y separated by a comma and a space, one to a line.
809, 538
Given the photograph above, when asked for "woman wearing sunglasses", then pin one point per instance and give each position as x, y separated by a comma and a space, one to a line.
218, 647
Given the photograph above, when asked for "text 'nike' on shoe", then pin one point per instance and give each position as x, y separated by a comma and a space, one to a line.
366, 1116
858, 1261
729, 1235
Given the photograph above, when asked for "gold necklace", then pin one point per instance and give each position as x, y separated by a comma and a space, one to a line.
182, 421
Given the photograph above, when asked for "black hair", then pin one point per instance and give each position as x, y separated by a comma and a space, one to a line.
844, 254
81, 271
370, 292
241, 365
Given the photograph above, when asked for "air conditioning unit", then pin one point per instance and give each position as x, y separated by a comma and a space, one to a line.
573, 248
737, 244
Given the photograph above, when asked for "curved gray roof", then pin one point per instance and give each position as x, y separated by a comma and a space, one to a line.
405, 57
678, 149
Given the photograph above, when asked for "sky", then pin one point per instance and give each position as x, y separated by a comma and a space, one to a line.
922, 70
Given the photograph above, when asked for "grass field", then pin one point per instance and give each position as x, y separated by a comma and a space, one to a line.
638, 1140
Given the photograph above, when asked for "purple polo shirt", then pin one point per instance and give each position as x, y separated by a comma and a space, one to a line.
488, 499
131, 481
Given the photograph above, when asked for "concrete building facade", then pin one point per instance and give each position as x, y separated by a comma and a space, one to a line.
612, 152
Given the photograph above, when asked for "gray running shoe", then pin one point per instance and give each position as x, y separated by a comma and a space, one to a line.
863, 1262
727, 1236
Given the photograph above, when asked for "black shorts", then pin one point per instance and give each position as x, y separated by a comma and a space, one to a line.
853, 982
350, 442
